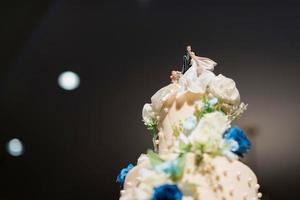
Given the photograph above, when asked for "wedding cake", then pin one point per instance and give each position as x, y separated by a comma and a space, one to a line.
196, 146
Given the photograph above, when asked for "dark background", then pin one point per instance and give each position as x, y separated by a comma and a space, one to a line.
76, 141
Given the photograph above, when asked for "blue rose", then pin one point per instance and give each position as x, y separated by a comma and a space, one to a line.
167, 192
236, 134
121, 177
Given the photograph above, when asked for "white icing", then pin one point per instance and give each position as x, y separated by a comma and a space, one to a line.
215, 178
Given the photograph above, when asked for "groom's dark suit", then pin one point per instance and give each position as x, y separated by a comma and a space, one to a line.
186, 63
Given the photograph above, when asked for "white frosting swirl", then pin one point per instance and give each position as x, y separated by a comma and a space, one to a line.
224, 89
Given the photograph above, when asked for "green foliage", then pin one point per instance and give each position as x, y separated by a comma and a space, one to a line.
209, 147
152, 127
200, 149
185, 148
237, 111
154, 158
179, 166
207, 108
199, 159
173, 168
178, 129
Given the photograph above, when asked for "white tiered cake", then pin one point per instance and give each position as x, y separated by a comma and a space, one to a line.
196, 149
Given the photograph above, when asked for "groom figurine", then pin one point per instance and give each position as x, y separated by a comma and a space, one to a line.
187, 60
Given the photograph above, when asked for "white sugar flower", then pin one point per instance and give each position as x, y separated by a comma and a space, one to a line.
224, 89
148, 113
210, 128
153, 178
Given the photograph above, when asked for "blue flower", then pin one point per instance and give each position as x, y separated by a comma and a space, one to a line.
171, 168
189, 124
213, 101
232, 144
236, 134
121, 177
167, 192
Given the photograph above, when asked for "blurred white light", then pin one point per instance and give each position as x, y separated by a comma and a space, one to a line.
68, 80
15, 147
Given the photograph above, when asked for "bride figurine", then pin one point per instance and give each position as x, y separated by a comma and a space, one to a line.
198, 76
195, 77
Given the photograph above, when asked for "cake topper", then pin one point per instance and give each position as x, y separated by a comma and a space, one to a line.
175, 76
187, 59
195, 69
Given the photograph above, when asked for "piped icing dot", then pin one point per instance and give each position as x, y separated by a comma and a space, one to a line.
238, 176
250, 181
257, 186
259, 195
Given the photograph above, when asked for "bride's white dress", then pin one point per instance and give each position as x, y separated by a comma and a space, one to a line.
191, 81
194, 81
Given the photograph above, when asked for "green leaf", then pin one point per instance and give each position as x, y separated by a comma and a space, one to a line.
177, 174
178, 129
185, 148
207, 108
152, 126
154, 158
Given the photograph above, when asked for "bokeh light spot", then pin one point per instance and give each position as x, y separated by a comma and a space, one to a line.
15, 147
68, 80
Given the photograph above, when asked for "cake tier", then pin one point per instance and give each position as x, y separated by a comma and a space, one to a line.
174, 111
196, 149
216, 178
